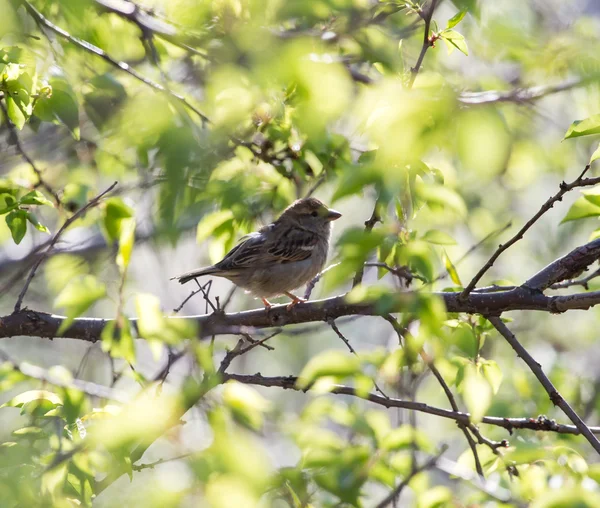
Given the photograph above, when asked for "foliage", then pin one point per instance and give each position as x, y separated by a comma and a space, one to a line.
215, 116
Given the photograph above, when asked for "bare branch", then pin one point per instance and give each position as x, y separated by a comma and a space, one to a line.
580, 181
536, 368
539, 424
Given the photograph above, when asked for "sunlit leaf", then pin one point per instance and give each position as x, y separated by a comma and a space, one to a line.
596, 155
438, 237
493, 374
585, 127
453, 39
581, 209
476, 392
450, 268
78, 296
35, 198
328, 363
36, 223
456, 19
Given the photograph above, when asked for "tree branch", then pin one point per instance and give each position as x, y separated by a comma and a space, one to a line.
580, 181
539, 424
536, 368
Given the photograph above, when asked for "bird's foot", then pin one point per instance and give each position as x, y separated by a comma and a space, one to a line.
295, 300
267, 304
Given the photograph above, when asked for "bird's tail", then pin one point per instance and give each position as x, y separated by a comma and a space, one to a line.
186, 277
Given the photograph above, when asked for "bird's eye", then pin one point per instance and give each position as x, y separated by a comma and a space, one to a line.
314, 214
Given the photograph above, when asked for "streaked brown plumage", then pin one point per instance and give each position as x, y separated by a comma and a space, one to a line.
279, 257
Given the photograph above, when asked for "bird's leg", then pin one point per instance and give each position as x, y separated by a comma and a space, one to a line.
266, 303
295, 299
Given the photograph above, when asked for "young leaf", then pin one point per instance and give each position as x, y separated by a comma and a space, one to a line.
456, 19
17, 223
581, 209
77, 297
328, 363
35, 198
451, 269
438, 237
40, 227
453, 39
585, 127
476, 392
118, 340
210, 222
493, 374
115, 210
595, 155
126, 240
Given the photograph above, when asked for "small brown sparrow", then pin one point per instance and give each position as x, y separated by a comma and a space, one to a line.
279, 257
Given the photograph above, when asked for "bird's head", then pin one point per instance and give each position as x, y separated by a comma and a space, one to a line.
310, 213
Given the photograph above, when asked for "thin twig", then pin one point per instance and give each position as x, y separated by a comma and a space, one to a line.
427, 42
337, 331
369, 225
580, 181
16, 140
311, 285
577, 282
238, 350
423, 467
79, 213
536, 368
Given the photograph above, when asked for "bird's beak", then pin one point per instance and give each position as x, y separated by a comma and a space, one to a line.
332, 215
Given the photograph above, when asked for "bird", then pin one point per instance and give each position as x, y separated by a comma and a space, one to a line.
279, 257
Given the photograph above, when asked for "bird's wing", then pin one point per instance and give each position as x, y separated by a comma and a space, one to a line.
295, 244
270, 247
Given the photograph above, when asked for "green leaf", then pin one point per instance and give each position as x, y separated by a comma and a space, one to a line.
314, 163
581, 209
210, 222
246, 404
592, 195
77, 297
40, 227
493, 374
126, 240
35, 198
464, 338
451, 269
585, 127
7, 203
60, 107
14, 113
442, 196
17, 223
476, 392
153, 326
438, 237
115, 210
329, 363
453, 39
33, 396
456, 19
596, 155
118, 340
